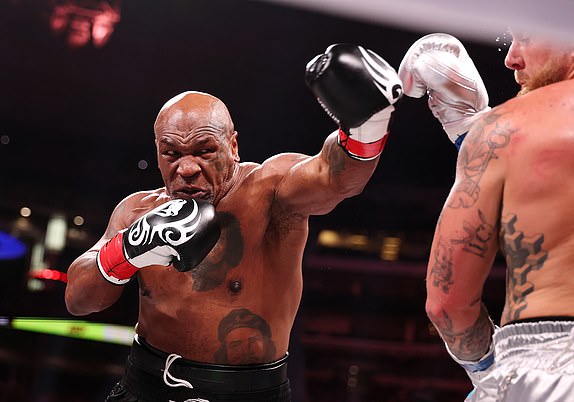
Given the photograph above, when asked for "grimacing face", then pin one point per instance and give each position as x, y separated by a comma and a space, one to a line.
196, 148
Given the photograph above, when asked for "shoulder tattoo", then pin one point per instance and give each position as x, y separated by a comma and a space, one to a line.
480, 149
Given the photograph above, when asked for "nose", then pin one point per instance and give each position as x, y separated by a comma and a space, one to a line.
188, 166
514, 59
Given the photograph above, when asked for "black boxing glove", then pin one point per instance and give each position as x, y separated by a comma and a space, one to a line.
179, 232
357, 88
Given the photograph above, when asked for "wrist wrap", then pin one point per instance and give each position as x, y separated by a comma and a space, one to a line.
360, 150
112, 262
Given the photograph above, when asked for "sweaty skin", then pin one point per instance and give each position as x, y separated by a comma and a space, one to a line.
238, 305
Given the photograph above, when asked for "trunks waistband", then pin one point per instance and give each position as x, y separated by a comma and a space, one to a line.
517, 335
216, 377
552, 318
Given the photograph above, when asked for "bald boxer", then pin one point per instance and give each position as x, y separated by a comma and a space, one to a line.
513, 191
217, 251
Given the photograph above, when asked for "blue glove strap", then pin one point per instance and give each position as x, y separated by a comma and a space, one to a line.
480, 365
458, 142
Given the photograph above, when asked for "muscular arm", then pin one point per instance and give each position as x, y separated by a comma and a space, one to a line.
315, 185
87, 291
357, 88
465, 242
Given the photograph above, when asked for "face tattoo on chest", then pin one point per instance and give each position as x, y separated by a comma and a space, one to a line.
225, 256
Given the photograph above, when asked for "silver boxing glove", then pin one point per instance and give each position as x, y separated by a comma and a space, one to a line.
439, 65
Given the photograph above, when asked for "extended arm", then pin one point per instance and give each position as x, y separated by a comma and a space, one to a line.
357, 89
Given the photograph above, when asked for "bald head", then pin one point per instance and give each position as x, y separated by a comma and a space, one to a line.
192, 109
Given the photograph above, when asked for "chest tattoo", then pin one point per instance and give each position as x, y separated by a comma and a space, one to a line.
225, 256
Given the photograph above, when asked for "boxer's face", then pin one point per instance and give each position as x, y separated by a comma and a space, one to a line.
244, 345
537, 61
196, 150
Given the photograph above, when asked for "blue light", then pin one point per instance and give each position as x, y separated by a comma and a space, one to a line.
10, 247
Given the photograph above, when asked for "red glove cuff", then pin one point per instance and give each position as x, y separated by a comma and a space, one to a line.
113, 264
360, 150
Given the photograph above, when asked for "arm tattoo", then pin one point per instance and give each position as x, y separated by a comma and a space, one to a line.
524, 254
225, 256
441, 270
475, 157
470, 344
475, 242
336, 157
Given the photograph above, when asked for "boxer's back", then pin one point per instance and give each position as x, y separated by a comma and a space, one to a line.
537, 216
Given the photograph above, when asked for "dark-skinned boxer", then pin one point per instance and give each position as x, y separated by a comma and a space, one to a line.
218, 250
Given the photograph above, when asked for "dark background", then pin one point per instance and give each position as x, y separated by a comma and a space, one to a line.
75, 123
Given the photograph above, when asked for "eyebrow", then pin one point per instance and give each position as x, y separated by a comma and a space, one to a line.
165, 140
200, 141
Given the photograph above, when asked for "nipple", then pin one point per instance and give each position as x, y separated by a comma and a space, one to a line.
235, 286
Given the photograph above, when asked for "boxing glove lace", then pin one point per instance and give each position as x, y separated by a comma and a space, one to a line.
178, 232
358, 89
439, 65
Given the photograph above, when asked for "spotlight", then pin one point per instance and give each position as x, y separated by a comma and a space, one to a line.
82, 21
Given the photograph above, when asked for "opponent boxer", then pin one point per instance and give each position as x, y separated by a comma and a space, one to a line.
215, 320
512, 192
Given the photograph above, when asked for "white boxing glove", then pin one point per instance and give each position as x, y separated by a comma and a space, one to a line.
439, 65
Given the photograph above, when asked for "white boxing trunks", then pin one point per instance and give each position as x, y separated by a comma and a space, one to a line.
534, 362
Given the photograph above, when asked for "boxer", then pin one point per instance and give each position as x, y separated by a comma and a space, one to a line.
512, 192
217, 251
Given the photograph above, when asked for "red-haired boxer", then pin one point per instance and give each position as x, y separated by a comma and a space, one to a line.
513, 191
215, 320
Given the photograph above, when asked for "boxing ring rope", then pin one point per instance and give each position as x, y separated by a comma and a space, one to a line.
80, 329
477, 20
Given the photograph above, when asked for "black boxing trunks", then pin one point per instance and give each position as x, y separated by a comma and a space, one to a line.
155, 376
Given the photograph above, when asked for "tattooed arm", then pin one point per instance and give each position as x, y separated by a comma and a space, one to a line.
465, 241
315, 185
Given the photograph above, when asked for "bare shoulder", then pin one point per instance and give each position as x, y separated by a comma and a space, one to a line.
143, 199
493, 131
551, 97
135, 205
282, 163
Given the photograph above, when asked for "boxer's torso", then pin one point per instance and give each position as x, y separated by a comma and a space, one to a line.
537, 219
238, 305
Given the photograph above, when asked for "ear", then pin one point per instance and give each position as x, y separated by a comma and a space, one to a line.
571, 61
234, 146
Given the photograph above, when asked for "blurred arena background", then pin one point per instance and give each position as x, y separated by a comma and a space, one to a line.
81, 82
